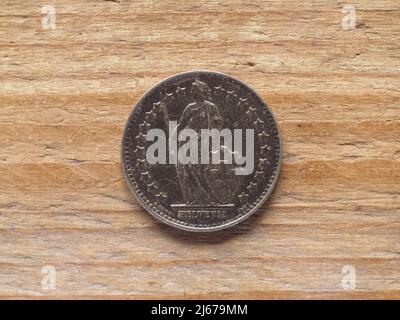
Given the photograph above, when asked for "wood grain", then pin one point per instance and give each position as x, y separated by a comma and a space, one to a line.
65, 95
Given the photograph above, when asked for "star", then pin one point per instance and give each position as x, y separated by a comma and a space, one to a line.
263, 137
258, 123
152, 186
144, 126
137, 151
168, 95
180, 89
242, 105
156, 104
263, 134
258, 175
250, 111
161, 195
263, 162
139, 163
140, 136
231, 92
264, 149
151, 114
145, 176
243, 196
252, 186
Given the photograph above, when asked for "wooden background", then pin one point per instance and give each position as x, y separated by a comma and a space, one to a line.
65, 95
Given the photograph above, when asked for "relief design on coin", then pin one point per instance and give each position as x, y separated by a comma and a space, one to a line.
201, 151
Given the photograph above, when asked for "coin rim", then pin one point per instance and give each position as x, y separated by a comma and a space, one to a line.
191, 228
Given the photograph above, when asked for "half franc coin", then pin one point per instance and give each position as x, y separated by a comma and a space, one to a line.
201, 151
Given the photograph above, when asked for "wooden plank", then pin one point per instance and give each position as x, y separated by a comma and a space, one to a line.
65, 95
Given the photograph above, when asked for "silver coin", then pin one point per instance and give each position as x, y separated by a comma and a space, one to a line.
201, 151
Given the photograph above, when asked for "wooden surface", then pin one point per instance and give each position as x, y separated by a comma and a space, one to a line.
65, 95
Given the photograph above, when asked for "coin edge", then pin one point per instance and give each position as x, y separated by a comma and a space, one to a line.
191, 228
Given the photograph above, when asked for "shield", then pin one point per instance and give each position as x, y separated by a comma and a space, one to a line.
224, 182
